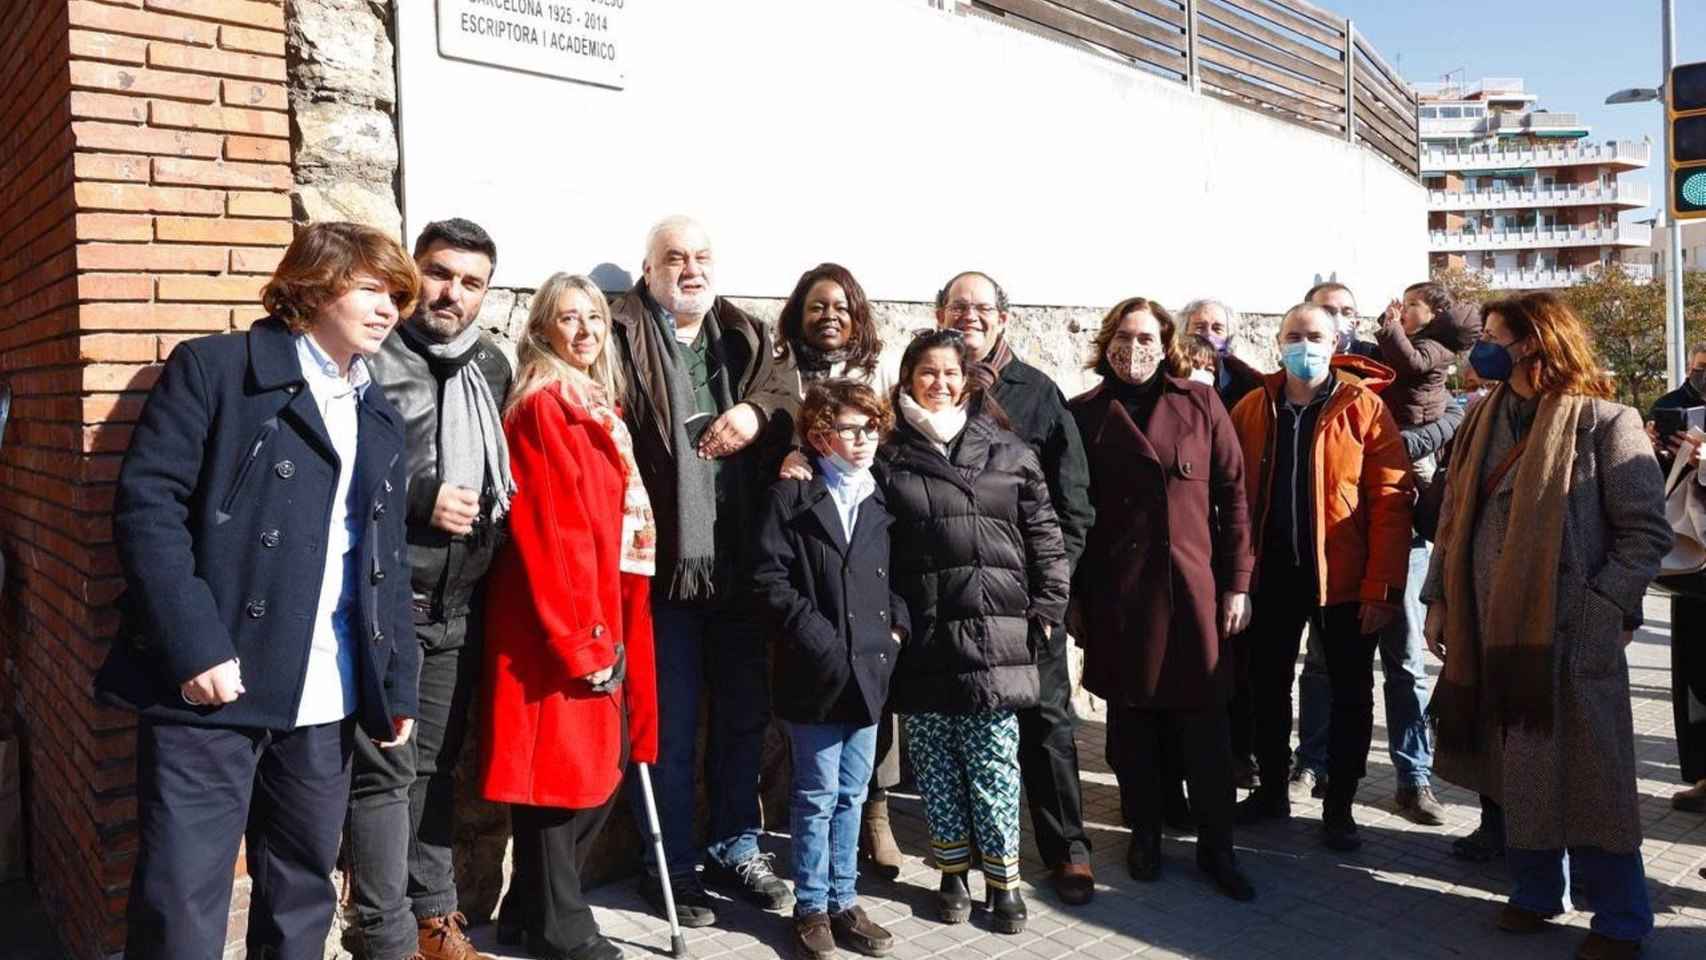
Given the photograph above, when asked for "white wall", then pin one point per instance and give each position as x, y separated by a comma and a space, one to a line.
905, 143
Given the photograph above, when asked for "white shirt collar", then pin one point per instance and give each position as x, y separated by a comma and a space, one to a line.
321, 371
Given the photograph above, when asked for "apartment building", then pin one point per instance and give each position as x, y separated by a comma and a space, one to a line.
1521, 193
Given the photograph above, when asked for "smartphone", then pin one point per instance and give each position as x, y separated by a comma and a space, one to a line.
1671, 421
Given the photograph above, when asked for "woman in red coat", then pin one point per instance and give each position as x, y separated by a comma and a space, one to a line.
1163, 582
571, 693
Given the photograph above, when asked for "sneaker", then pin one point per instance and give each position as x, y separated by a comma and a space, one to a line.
812, 938
1419, 805
752, 879
692, 904
859, 933
1306, 784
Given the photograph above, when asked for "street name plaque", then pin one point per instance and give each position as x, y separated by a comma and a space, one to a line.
570, 39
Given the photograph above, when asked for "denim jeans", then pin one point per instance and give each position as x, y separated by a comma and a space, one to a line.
1405, 687
1616, 887
401, 804
705, 648
832, 765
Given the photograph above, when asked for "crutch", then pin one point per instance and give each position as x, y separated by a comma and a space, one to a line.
677, 940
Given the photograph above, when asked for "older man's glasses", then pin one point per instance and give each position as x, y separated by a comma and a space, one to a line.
964, 308
854, 432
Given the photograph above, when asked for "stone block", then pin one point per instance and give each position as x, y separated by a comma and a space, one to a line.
330, 137
341, 48
369, 203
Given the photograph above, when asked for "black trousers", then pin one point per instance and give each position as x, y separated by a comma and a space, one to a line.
1688, 682
402, 820
1284, 603
202, 790
1048, 762
1152, 744
545, 899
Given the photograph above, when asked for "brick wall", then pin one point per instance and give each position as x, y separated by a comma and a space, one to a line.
144, 197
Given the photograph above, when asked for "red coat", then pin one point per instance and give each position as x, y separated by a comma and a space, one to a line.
1171, 535
556, 607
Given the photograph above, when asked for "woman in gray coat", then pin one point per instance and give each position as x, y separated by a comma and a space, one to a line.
1552, 526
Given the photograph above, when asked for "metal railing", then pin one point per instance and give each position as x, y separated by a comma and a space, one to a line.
1548, 155
1549, 278
1623, 234
1619, 194
1287, 59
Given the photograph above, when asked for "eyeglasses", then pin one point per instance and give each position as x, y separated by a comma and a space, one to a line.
960, 308
853, 434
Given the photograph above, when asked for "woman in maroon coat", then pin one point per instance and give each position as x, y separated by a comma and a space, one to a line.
571, 695
1164, 579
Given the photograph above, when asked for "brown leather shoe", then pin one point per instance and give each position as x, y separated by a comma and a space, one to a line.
813, 939
859, 933
1597, 947
441, 938
1514, 919
1074, 883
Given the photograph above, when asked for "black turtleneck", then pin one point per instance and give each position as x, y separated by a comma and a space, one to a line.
1139, 399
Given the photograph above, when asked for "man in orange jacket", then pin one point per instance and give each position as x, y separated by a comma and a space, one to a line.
1330, 502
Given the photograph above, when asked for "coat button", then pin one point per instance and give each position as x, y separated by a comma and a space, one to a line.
378, 576
285, 469
1186, 468
883, 614
598, 630
270, 538
880, 571
849, 614
292, 388
378, 637
379, 510
256, 609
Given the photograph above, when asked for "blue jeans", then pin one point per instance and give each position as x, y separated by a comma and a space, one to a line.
1616, 887
1405, 688
701, 647
832, 765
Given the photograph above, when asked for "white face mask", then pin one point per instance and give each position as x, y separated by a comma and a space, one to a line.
1203, 376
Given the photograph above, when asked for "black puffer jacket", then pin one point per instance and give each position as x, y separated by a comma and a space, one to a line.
980, 562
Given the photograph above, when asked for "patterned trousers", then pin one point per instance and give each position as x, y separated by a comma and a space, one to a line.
968, 771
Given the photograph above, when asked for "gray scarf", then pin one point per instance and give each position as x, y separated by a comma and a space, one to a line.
471, 443
687, 542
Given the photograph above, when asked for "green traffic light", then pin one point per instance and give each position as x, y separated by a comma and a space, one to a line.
1692, 189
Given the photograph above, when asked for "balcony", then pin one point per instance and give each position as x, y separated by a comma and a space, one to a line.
1622, 234
1489, 157
1629, 195
1542, 278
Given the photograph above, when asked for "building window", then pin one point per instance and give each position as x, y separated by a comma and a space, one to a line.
1451, 113
1429, 112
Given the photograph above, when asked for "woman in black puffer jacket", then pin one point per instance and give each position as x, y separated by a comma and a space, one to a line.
979, 560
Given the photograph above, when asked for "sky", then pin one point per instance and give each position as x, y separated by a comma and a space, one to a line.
1572, 53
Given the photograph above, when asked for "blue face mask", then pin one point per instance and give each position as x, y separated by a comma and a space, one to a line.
1492, 361
1305, 360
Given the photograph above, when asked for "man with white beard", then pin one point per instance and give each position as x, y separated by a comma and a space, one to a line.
711, 411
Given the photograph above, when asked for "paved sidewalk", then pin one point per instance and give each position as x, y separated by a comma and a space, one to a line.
1401, 896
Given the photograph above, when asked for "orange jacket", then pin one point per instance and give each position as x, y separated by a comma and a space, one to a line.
1361, 483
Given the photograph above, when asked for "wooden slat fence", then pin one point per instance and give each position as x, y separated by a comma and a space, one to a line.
1288, 59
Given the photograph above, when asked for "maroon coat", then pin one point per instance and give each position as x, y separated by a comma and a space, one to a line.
1172, 533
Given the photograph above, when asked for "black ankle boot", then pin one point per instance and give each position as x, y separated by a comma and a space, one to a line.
953, 899
1338, 827
1143, 857
1006, 910
1221, 868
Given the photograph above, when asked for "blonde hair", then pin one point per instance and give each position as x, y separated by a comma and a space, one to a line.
538, 366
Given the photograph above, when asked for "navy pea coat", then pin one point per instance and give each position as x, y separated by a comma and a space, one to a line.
221, 518
830, 603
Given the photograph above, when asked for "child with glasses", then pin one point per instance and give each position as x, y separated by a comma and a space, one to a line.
821, 573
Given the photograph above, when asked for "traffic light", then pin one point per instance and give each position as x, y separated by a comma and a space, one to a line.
1685, 108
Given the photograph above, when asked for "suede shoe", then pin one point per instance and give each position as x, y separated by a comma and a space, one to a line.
693, 906
753, 880
1515, 919
1419, 805
1306, 784
1007, 912
1074, 884
953, 899
859, 933
813, 940
876, 838
441, 938
1600, 947
1221, 868
1264, 803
